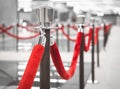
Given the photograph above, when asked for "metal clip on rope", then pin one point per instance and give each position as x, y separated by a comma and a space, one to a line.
80, 29
42, 38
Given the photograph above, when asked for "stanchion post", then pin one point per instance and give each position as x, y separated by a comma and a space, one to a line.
68, 42
105, 36
45, 64
81, 59
3, 37
81, 63
45, 18
92, 81
93, 68
57, 36
17, 40
98, 57
17, 31
3, 34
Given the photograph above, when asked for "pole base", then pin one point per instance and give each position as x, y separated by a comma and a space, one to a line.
92, 82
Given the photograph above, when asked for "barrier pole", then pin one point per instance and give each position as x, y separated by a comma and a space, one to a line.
98, 57
45, 19
92, 64
57, 36
68, 41
81, 63
18, 20
17, 40
3, 38
92, 81
105, 36
45, 64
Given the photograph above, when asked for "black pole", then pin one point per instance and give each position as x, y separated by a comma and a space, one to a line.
17, 40
81, 63
98, 58
3, 37
105, 36
57, 36
92, 63
45, 64
17, 31
68, 42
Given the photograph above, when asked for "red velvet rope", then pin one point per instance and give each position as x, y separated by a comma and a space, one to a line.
107, 27
73, 27
65, 34
18, 37
32, 67
87, 43
8, 28
96, 35
55, 30
58, 61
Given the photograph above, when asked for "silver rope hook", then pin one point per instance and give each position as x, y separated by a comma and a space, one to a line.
42, 38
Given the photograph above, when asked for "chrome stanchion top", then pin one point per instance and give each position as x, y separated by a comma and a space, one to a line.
46, 16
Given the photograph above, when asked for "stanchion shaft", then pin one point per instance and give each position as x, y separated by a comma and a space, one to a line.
81, 64
98, 58
92, 63
17, 40
45, 64
57, 36
105, 36
68, 41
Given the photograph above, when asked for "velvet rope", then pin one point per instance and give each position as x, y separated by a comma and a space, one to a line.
87, 43
62, 28
18, 37
58, 61
106, 33
32, 67
7, 28
96, 35
65, 34
55, 30
107, 27
73, 27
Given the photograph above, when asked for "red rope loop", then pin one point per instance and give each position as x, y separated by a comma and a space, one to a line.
6, 29
18, 37
96, 35
32, 67
58, 61
107, 28
87, 43
73, 27
65, 34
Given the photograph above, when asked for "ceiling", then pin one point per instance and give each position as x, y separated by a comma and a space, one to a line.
95, 6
